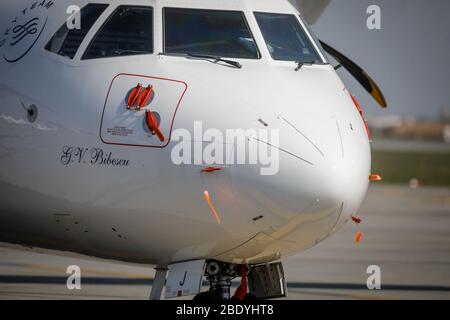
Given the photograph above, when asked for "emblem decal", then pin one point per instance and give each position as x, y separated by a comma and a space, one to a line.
24, 30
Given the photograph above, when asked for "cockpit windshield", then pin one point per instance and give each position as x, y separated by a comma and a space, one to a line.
208, 32
286, 39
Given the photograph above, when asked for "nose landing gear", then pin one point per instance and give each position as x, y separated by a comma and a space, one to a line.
264, 281
219, 275
258, 281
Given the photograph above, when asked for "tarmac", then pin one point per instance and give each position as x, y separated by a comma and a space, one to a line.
406, 234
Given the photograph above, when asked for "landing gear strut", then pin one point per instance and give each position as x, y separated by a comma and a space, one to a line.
158, 282
219, 274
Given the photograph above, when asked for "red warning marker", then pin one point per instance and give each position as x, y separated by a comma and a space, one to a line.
133, 97
153, 125
356, 219
210, 169
241, 291
145, 96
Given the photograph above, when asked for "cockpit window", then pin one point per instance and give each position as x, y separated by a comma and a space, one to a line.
129, 31
209, 32
314, 36
285, 38
66, 41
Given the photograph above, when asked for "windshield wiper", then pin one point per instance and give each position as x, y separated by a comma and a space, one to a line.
216, 59
300, 64
120, 52
205, 56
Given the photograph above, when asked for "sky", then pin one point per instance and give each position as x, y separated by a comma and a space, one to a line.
408, 58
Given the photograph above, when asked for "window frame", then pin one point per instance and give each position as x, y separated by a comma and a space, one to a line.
105, 22
302, 27
313, 38
242, 13
87, 37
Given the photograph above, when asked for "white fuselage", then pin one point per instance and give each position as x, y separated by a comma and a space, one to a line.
125, 199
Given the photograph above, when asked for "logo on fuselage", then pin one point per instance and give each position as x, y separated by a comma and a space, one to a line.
24, 30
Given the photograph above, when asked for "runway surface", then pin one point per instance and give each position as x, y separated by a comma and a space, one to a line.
406, 234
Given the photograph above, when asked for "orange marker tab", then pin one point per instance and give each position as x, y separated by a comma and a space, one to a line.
208, 200
358, 107
358, 237
375, 177
366, 124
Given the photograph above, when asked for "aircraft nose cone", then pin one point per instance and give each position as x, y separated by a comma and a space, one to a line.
344, 180
317, 173
338, 150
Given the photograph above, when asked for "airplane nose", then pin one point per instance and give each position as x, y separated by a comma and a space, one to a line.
317, 175
343, 180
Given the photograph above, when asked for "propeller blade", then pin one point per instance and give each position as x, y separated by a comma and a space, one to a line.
359, 74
